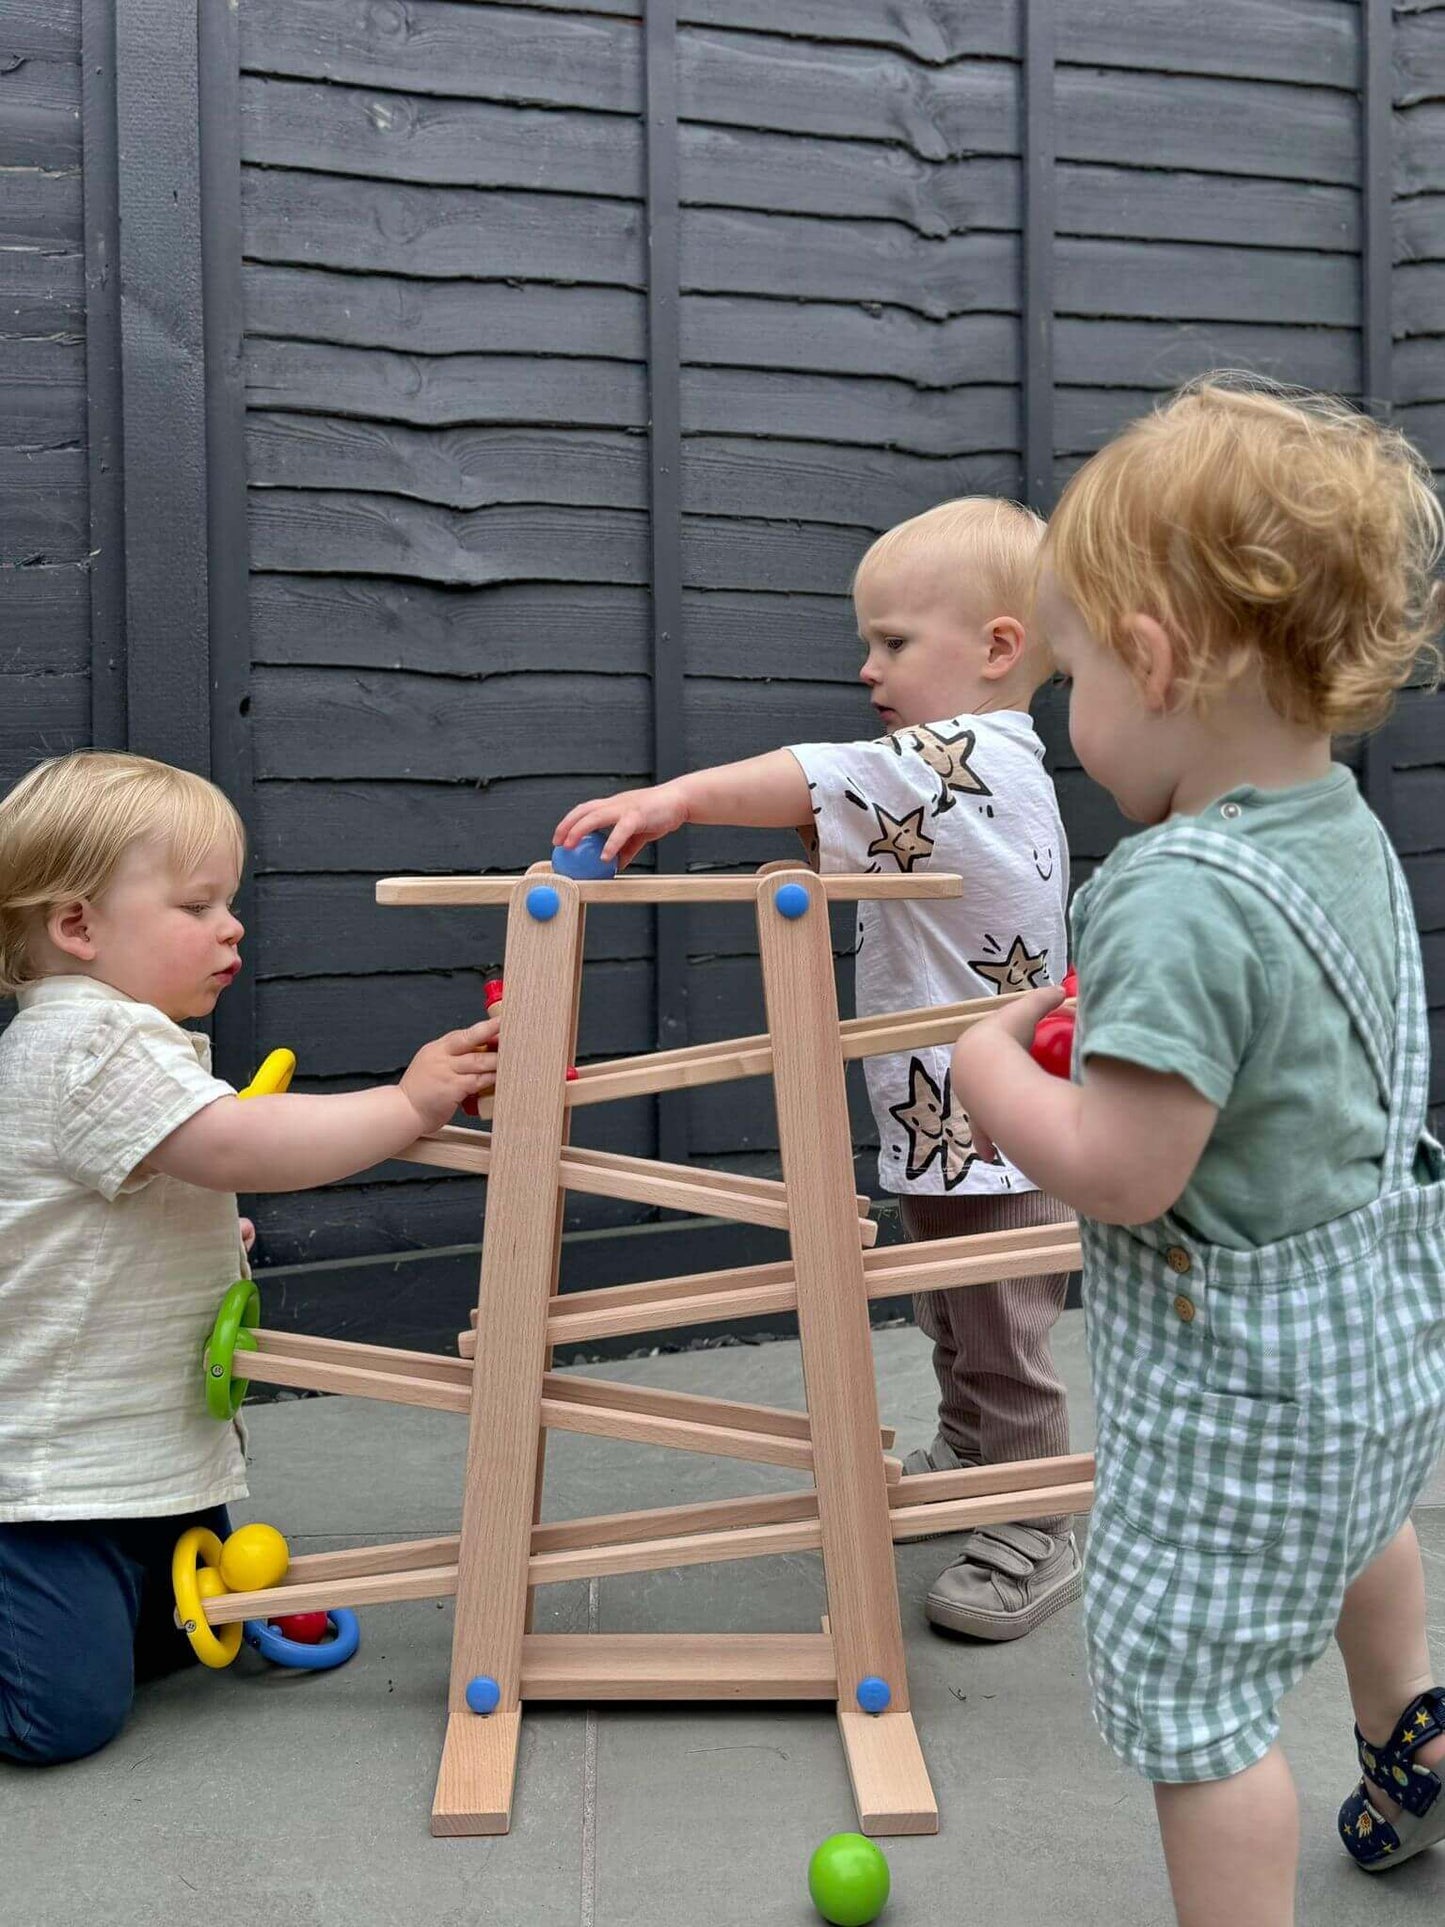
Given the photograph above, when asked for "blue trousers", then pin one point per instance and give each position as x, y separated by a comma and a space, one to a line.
86, 1612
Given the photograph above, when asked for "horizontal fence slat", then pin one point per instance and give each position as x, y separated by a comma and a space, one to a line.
355, 724
45, 619
47, 28
436, 389
443, 317
44, 505
39, 111
388, 535
41, 208
40, 716
1133, 203
380, 624
1215, 126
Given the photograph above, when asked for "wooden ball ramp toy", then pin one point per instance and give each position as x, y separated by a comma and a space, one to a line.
853, 1501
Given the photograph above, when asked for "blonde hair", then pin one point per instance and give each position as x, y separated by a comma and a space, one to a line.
994, 545
1264, 528
65, 827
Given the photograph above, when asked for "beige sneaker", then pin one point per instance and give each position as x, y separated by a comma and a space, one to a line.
1006, 1581
938, 1457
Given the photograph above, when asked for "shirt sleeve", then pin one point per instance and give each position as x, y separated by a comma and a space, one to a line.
873, 805
1172, 976
125, 1084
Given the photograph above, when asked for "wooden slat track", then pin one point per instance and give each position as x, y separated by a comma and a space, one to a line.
614, 1174
759, 1290
671, 1537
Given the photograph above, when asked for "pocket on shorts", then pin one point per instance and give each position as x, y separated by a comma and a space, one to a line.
1207, 1471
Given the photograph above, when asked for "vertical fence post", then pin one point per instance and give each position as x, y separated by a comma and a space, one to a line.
1038, 252
168, 701
104, 442
1376, 307
664, 361
228, 575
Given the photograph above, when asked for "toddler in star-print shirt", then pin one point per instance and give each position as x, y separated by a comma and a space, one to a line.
956, 784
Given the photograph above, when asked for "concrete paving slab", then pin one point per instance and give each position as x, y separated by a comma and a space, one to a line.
256, 1797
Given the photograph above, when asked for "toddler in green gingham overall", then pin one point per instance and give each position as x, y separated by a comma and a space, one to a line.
1237, 578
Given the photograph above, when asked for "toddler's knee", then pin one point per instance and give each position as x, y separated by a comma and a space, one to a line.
51, 1727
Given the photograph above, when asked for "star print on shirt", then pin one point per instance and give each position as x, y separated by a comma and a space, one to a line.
935, 1128
901, 837
1021, 969
946, 751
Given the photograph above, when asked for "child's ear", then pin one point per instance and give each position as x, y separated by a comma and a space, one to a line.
1005, 638
68, 928
1154, 653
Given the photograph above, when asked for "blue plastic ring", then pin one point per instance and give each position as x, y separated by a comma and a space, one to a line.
791, 901
302, 1658
543, 902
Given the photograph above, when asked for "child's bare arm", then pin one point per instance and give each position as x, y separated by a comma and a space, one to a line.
291, 1142
1119, 1147
762, 792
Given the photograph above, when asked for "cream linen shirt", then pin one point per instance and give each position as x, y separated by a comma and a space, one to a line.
109, 1280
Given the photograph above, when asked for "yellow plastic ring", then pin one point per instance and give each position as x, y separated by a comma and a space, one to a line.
195, 1547
273, 1077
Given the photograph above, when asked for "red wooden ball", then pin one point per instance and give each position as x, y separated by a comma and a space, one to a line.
307, 1629
1053, 1045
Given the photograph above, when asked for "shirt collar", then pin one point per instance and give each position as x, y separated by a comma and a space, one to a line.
70, 990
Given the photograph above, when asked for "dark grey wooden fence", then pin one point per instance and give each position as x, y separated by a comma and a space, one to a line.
555, 364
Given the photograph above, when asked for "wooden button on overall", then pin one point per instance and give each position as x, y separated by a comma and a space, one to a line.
1185, 1308
1178, 1259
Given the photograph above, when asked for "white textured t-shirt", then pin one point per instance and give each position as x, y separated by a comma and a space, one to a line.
109, 1283
969, 795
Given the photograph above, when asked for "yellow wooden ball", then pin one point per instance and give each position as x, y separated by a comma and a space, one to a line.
254, 1557
209, 1583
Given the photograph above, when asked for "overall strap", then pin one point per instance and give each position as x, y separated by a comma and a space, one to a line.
1236, 857
1410, 1105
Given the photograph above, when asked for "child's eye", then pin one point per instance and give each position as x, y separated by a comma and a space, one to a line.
196, 909
894, 643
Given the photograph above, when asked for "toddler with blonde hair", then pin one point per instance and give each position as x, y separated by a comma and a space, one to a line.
955, 783
1233, 579
120, 1158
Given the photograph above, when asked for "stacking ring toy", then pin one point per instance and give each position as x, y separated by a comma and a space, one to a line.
273, 1077
240, 1307
196, 1575
281, 1651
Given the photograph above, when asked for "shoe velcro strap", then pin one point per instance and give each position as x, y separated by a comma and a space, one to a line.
1393, 1766
1366, 1834
1011, 1550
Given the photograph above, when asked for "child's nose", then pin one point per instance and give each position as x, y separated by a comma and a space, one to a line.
869, 673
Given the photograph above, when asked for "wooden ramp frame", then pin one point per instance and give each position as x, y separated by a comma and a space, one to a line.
859, 1503
816, 1203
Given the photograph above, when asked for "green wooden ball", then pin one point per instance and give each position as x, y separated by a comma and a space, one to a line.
848, 1880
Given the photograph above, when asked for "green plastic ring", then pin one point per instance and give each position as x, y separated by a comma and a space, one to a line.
240, 1307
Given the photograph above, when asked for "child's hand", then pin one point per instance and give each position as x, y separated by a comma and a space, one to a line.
1018, 1019
461, 1064
248, 1234
1020, 1016
633, 820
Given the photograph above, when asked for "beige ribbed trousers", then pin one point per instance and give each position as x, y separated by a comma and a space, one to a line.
999, 1396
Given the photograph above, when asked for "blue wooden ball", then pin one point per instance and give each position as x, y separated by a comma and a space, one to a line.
483, 1694
543, 902
585, 863
874, 1694
792, 901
